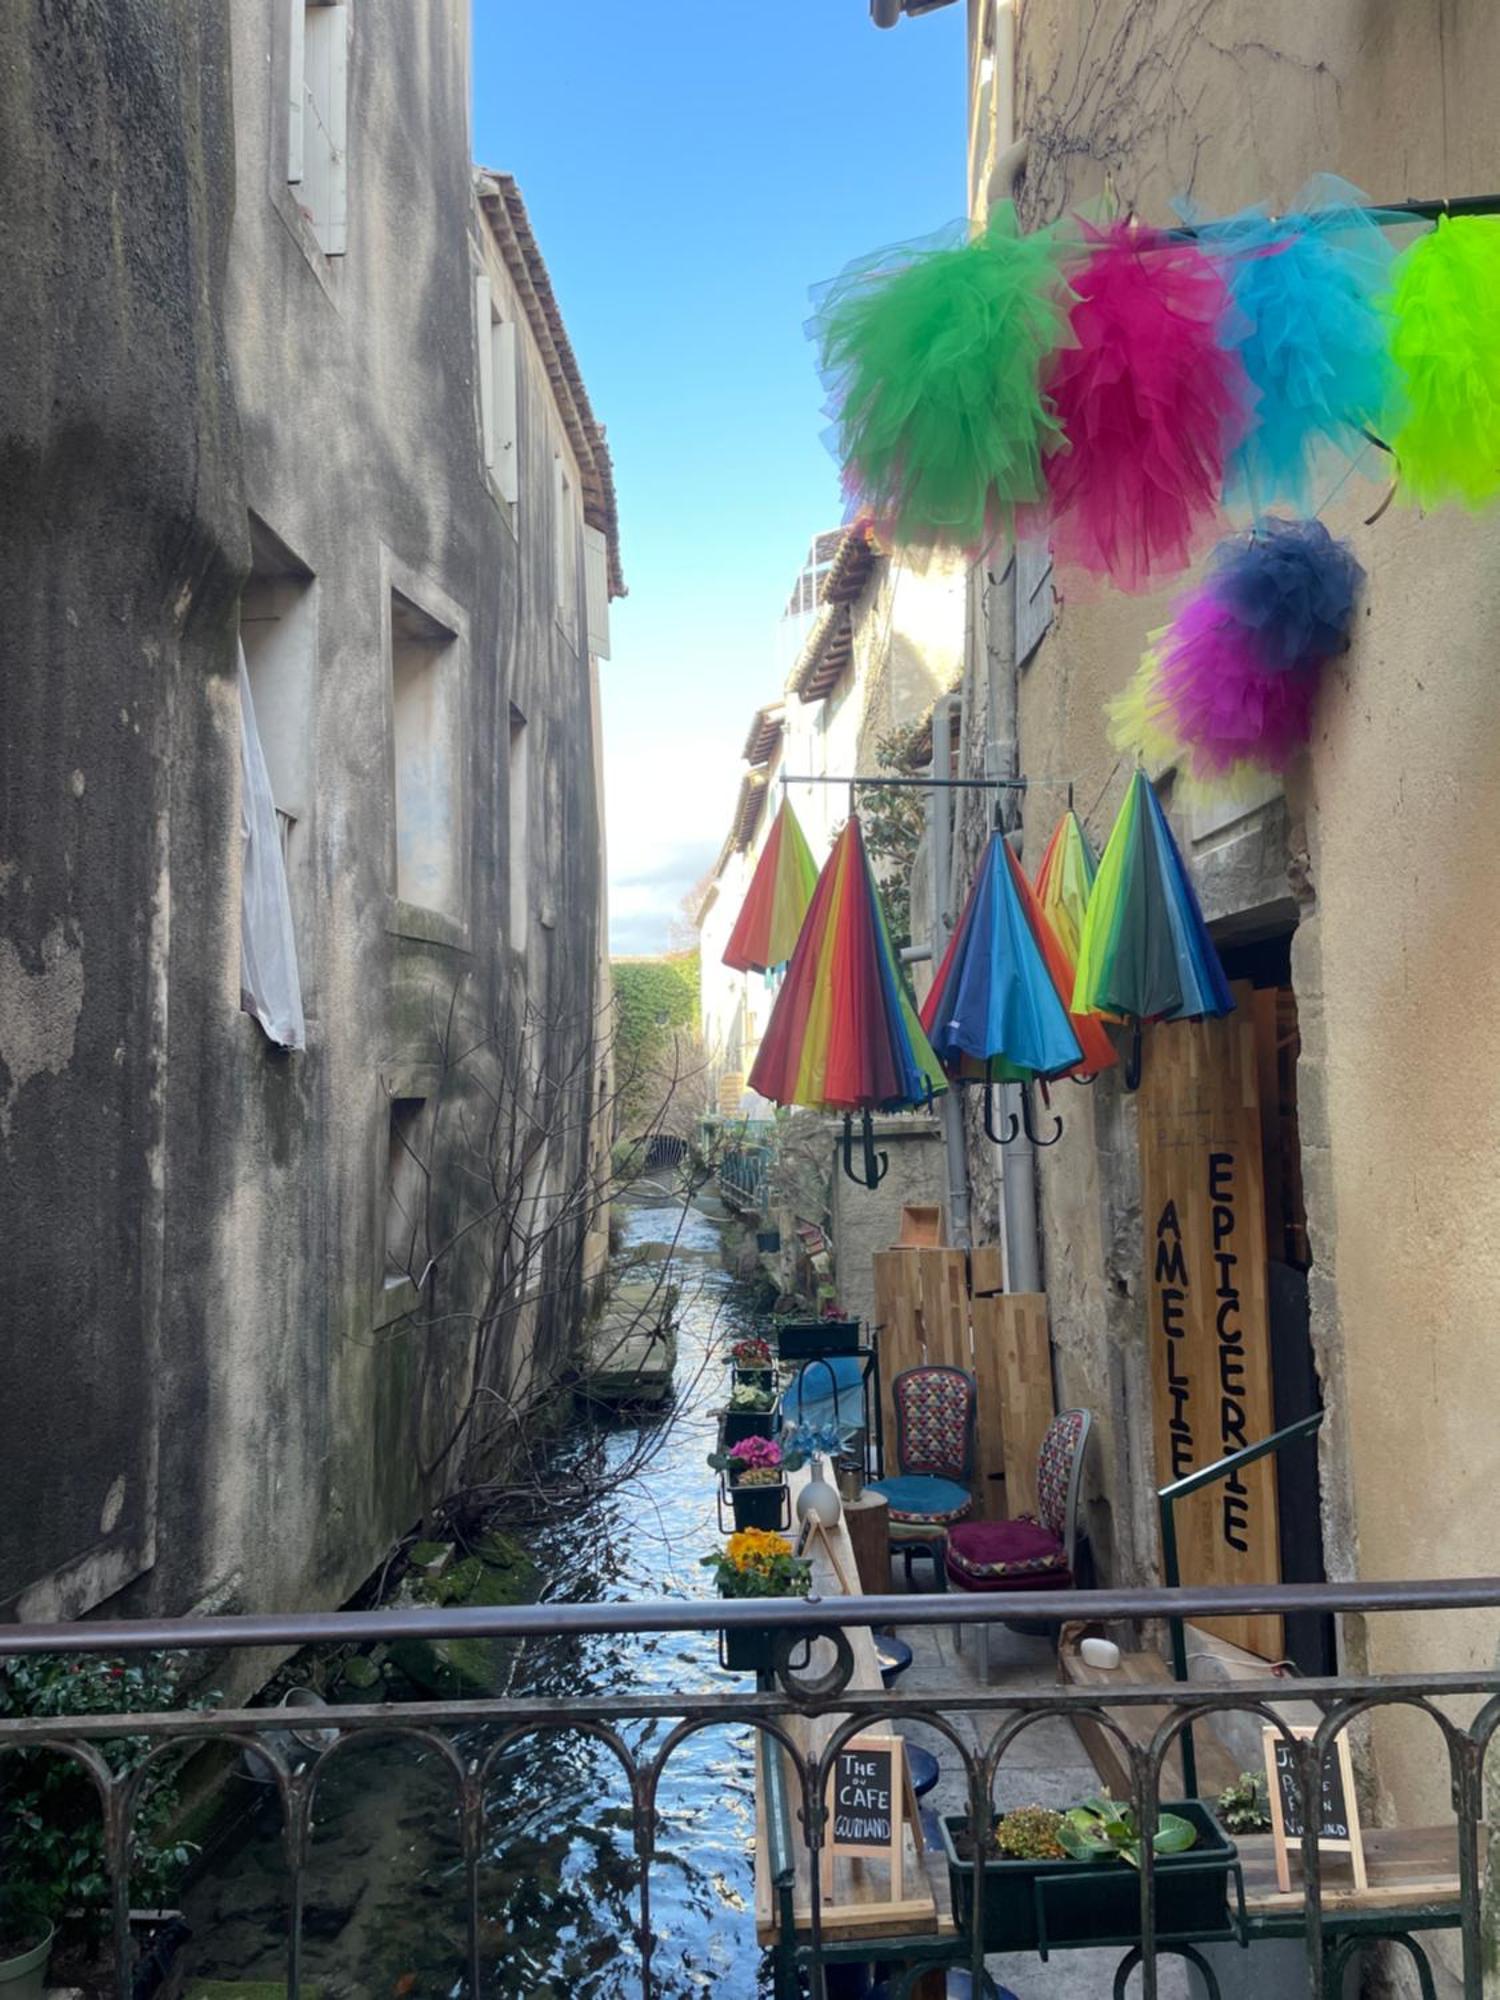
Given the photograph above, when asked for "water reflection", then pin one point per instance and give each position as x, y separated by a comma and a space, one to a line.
560, 1887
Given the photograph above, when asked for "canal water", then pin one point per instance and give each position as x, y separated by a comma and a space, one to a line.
559, 1897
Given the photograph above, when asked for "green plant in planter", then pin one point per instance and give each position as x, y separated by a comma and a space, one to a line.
1029, 1833
753, 1461
1102, 1830
51, 1832
1245, 1806
748, 1396
755, 1562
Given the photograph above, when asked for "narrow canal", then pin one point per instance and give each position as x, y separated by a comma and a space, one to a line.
384, 1917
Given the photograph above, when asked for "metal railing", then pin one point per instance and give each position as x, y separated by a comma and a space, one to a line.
743, 1173
1166, 1501
468, 1738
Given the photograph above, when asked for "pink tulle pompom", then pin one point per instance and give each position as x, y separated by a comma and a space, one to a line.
1223, 703
1151, 403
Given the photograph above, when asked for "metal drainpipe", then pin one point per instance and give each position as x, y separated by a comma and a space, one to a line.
940, 852
1023, 1262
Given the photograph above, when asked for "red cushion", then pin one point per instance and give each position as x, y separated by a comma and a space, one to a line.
1006, 1555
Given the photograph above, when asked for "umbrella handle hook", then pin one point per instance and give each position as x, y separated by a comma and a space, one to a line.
1026, 1119
1013, 1124
877, 1165
1133, 1061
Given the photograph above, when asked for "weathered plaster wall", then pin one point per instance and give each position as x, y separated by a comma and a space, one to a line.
198, 1216
1384, 844
122, 544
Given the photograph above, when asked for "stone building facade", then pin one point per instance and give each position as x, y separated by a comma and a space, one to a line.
311, 396
1357, 891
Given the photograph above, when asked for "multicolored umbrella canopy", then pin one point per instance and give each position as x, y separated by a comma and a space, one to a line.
1063, 882
994, 1013
1145, 951
776, 901
1098, 1049
843, 1034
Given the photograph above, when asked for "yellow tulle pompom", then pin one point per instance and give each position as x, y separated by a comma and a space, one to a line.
1445, 340
1141, 726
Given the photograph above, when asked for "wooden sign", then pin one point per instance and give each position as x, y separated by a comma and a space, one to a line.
1208, 1324
731, 1090
1338, 1809
869, 1804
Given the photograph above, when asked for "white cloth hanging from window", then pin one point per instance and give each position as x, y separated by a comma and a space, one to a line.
269, 986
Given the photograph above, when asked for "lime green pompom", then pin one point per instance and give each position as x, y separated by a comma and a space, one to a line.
933, 354
1446, 343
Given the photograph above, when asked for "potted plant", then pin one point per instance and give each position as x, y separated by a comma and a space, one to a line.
26, 1934
829, 1333
1073, 1878
752, 1474
750, 1412
753, 1361
754, 1562
52, 1867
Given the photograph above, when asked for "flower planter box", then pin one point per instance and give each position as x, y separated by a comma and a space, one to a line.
738, 1424
761, 1506
799, 1339
1040, 1905
753, 1378
743, 1650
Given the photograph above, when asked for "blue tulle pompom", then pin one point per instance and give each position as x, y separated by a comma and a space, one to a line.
1291, 586
1307, 291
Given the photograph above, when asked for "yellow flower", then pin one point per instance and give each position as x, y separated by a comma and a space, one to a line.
756, 1549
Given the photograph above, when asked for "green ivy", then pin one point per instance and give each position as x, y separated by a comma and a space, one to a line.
894, 822
655, 999
51, 1832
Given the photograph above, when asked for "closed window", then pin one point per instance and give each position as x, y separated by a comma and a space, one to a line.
425, 695
565, 507
317, 118
495, 341
520, 822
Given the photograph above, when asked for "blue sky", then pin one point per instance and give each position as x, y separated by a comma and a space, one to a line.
691, 167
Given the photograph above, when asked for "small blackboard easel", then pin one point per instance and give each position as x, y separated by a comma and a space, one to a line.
1338, 1809
870, 1802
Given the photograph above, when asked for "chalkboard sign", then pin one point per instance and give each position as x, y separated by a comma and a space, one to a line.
864, 1801
1338, 1809
869, 1791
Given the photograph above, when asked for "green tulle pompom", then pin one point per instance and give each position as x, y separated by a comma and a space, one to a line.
933, 356
1446, 343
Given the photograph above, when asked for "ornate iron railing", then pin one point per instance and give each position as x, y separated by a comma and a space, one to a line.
467, 1738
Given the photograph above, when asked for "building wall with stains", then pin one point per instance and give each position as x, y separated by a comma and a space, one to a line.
241, 1364
1377, 847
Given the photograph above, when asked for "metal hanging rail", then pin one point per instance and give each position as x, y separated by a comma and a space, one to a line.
920, 784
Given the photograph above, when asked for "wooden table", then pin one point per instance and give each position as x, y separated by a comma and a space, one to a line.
858, 1883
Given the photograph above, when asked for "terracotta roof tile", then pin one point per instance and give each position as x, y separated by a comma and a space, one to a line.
500, 199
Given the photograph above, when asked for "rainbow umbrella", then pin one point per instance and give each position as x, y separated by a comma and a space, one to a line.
1145, 952
1063, 882
776, 901
843, 1034
1098, 1049
995, 1013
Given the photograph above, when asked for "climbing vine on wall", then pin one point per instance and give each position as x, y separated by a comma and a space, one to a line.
894, 823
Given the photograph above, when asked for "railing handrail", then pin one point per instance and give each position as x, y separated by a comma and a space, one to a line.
1206, 1475
710, 1614
1194, 1482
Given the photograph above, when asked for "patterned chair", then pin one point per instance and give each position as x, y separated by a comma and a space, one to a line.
999, 1556
929, 1491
